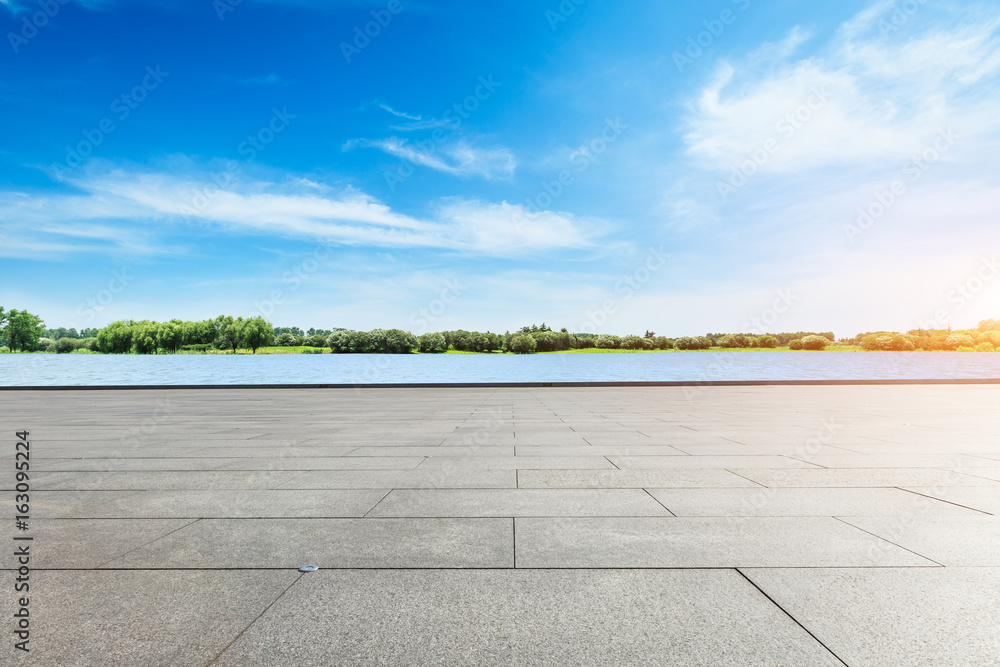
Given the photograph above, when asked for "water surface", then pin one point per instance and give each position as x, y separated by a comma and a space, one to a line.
93, 369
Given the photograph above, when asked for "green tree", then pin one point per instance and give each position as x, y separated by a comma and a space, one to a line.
115, 338
170, 336
227, 332
432, 343
815, 342
144, 337
256, 332
23, 330
522, 344
608, 342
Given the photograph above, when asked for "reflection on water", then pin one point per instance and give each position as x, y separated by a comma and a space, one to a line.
79, 369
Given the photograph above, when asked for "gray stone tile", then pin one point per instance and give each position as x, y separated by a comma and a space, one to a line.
160, 480
959, 541
986, 473
330, 543
624, 479
946, 617
516, 462
598, 450
240, 504
518, 502
129, 464
983, 498
517, 617
443, 450
327, 463
87, 543
803, 502
703, 542
68, 504
862, 477
405, 479
660, 462
277, 452
121, 618
899, 461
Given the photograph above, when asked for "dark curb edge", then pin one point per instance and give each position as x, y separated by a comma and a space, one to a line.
524, 385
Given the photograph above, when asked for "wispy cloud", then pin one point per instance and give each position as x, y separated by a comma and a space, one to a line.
459, 158
128, 208
864, 97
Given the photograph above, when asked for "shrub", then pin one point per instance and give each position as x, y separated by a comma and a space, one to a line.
985, 347
391, 341
316, 340
767, 341
632, 343
957, 340
991, 337
284, 340
90, 344
815, 342
585, 343
45, 345
64, 345
545, 341
795, 344
523, 344
432, 343
663, 343
608, 342
888, 342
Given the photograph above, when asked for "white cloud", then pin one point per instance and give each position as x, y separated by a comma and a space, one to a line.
125, 208
458, 158
862, 97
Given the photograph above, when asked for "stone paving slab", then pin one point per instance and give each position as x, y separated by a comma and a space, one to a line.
704, 542
491, 525
945, 617
804, 502
142, 617
405, 479
89, 543
952, 541
238, 504
518, 503
330, 543
629, 479
600, 617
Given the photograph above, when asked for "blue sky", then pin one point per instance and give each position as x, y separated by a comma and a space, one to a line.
682, 167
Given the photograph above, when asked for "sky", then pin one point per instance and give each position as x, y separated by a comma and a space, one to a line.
680, 167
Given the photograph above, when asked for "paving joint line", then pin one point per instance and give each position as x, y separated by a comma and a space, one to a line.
257, 618
789, 615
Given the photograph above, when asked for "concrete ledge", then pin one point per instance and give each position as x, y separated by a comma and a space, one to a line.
527, 385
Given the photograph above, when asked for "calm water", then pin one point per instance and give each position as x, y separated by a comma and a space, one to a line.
79, 369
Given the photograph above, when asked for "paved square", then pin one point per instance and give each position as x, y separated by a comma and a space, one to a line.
792, 525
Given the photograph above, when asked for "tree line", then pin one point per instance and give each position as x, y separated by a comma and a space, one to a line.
21, 331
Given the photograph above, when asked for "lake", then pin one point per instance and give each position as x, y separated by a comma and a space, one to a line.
81, 369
